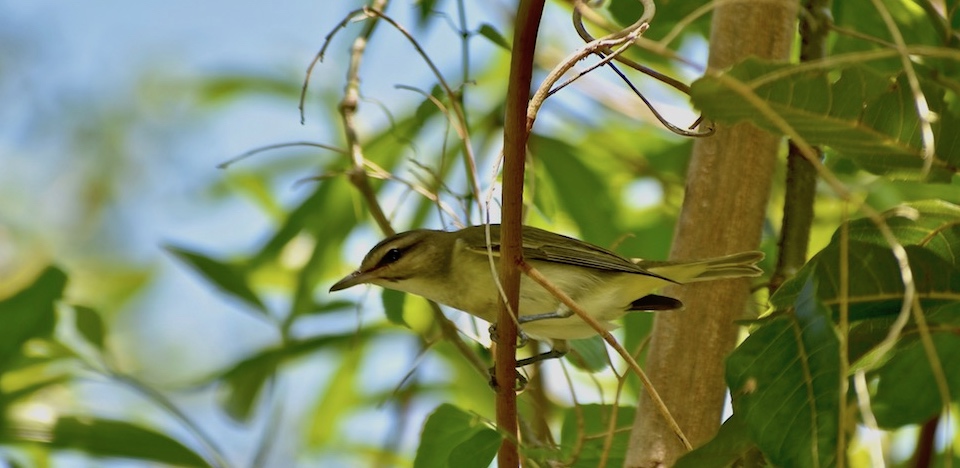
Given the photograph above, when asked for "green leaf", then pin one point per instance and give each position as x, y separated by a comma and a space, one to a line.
906, 390
339, 398
931, 224
30, 313
864, 116
730, 444
228, 278
586, 428
103, 438
785, 378
488, 31
477, 451
863, 17
425, 8
876, 287
330, 306
452, 437
240, 391
931, 236
90, 325
227, 88
582, 192
243, 382
393, 306
589, 354
669, 12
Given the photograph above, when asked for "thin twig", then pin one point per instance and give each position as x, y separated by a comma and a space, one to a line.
262, 149
924, 114
358, 175
461, 122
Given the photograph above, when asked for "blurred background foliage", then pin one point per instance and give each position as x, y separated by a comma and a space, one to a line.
156, 308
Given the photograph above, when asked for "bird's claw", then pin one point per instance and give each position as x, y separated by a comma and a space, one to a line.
519, 383
522, 338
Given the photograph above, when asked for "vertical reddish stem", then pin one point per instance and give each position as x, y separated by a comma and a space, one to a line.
514, 151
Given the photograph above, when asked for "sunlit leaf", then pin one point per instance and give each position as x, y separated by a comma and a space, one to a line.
228, 278
863, 16
906, 390
225, 88
452, 438
583, 437
101, 438
29, 313
785, 381
864, 116
339, 397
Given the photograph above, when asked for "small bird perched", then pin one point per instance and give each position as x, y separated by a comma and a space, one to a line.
454, 268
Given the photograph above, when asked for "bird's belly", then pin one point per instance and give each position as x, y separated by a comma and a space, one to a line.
601, 297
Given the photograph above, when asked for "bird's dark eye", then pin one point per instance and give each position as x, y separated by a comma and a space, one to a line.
391, 256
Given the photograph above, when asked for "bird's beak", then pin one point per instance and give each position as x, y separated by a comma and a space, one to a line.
351, 280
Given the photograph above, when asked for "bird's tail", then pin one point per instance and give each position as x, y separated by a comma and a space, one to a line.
738, 265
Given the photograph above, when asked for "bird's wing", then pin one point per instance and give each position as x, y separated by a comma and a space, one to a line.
540, 245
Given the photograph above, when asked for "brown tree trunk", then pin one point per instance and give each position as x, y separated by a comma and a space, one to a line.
728, 184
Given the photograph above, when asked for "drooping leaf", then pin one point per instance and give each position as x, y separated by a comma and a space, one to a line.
867, 117
452, 438
228, 278
585, 432
731, 443
240, 391
477, 451
589, 354
393, 306
785, 378
101, 438
90, 325
29, 313
906, 390
488, 31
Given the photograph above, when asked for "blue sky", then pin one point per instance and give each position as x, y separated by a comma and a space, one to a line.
69, 69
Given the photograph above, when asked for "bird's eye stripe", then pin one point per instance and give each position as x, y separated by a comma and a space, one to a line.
391, 256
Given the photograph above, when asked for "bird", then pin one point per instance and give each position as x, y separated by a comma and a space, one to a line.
454, 268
